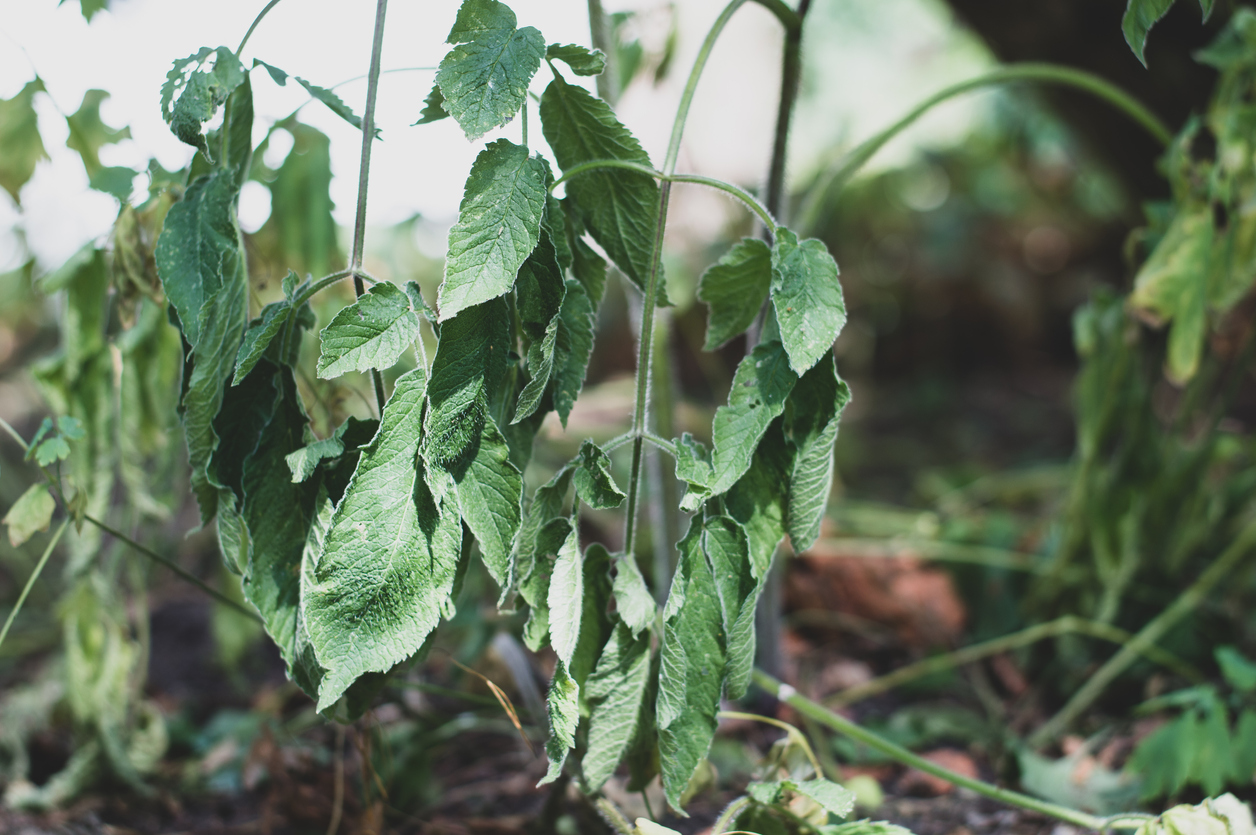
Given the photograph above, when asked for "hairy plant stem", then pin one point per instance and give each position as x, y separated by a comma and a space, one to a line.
845, 727
1185, 603
364, 176
1069, 624
30, 583
730, 813
842, 172
791, 72
265, 11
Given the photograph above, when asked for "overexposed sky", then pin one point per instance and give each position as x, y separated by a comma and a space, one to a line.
867, 64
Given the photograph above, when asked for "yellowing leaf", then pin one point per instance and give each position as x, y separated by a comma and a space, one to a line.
30, 513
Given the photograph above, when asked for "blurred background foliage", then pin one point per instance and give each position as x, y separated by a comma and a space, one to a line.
1051, 430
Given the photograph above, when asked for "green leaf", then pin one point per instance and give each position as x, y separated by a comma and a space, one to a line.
71, 428
807, 298
633, 602
20, 144
834, 798
735, 289
1172, 286
200, 92
499, 224
738, 586
373, 332
535, 587
1243, 752
116, 181
260, 332
1164, 759
470, 364
200, 259
572, 348
1239, 671
811, 422
278, 513
89, 7
88, 134
389, 559
563, 707
595, 624
587, 266
865, 827
1211, 765
324, 95
757, 501
539, 290
30, 513
582, 60
763, 381
1140, 16
307, 672
484, 78
595, 485
352, 433
566, 599
619, 207
433, 107
52, 450
489, 496
615, 692
546, 506
692, 663
301, 231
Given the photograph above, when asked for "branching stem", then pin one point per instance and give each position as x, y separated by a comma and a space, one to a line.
364, 176
841, 173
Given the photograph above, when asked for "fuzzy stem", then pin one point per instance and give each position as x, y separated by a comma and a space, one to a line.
691, 86
791, 72
1186, 602
844, 726
1046, 73
364, 176
30, 583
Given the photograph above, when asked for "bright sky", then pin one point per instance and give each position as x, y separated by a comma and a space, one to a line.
868, 64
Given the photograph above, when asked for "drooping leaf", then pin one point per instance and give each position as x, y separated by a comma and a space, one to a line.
1140, 16
595, 624
200, 259
20, 144
260, 332
88, 133
587, 266
566, 599
690, 673
324, 95
489, 496
433, 107
389, 559
484, 78
807, 298
348, 435
539, 292
32, 512
535, 585
581, 59
200, 92
301, 231
620, 207
572, 348
615, 692
546, 506
470, 364
278, 513
832, 797
373, 332
738, 586
563, 707
763, 381
499, 224
633, 602
735, 289
307, 672
757, 501
595, 485
811, 422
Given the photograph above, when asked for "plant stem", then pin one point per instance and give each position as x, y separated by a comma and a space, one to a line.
1046, 73
176, 568
364, 175
607, 81
1186, 602
844, 726
789, 18
256, 20
791, 72
691, 86
1063, 626
730, 813
796, 735
30, 583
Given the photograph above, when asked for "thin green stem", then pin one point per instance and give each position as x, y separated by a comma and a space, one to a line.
13, 433
660, 442
175, 567
617, 442
791, 72
1185, 603
847, 728
833, 183
1068, 624
691, 86
607, 81
265, 11
692, 179
730, 813
789, 18
364, 175
30, 583
794, 734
